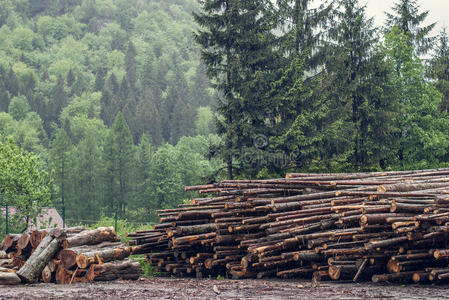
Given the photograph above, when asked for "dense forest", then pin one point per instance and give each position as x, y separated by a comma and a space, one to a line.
112, 98
125, 102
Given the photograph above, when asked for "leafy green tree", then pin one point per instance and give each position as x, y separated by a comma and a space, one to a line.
23, 184
19, 108
407, 17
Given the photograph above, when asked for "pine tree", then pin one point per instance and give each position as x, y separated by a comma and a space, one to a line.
349, 66
59, 100
70, 78
130, 65
407, 17
123, 153
143, 202
148, 118
439, 68
62, 164
100, 79
12, 83
87, 178
230, 32
200, 95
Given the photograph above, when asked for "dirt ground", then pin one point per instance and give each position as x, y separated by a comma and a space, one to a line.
166, 288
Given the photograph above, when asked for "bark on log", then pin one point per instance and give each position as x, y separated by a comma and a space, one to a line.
48, 247
91, 237
115, 270
8, 278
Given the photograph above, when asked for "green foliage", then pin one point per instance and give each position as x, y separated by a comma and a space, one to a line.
23, 184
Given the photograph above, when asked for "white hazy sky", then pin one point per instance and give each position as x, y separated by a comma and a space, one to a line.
438, 11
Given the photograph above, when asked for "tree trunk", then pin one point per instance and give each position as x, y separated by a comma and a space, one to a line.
9, 278
91, 237
115, 270
46, 250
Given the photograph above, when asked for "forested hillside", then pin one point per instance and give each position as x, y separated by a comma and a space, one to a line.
111, 95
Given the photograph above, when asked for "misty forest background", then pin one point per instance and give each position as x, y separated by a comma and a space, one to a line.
117, 105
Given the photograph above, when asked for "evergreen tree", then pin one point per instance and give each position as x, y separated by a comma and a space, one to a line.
12, 83
70, 78
122, 159
143, 203
130, 66
423, 128
350, 66
233, 36
87, 178
100, 78
439, 69
148, 118
58, 100
200, 94
62, 164
407, 17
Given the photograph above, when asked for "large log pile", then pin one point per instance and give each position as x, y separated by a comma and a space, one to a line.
362, 226
65, 256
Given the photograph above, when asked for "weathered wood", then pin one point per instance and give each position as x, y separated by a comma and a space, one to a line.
115, 270
91, 237
46, 250
9, 278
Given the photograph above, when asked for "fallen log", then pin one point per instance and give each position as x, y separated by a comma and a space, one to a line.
114, 270
46, 250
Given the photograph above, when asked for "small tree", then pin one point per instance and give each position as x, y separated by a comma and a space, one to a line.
23, 184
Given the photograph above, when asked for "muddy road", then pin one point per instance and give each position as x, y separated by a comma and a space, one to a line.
166, 288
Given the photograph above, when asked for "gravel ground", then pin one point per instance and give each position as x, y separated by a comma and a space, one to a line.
166, 288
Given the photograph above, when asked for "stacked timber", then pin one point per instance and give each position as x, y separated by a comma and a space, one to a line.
379, 226
66, 256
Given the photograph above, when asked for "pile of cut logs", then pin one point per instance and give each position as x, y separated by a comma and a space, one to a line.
65, 256
380, 226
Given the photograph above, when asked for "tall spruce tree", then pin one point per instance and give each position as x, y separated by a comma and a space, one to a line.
233, 36
439, 68
122, 160
62, 164
409, 19
349, 66
88, 178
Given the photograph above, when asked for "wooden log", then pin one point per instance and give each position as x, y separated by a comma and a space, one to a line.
84, 260
7, 263
3, 254
48, 247
49, 272
126, 269
10, 242
91, 237
9, 278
